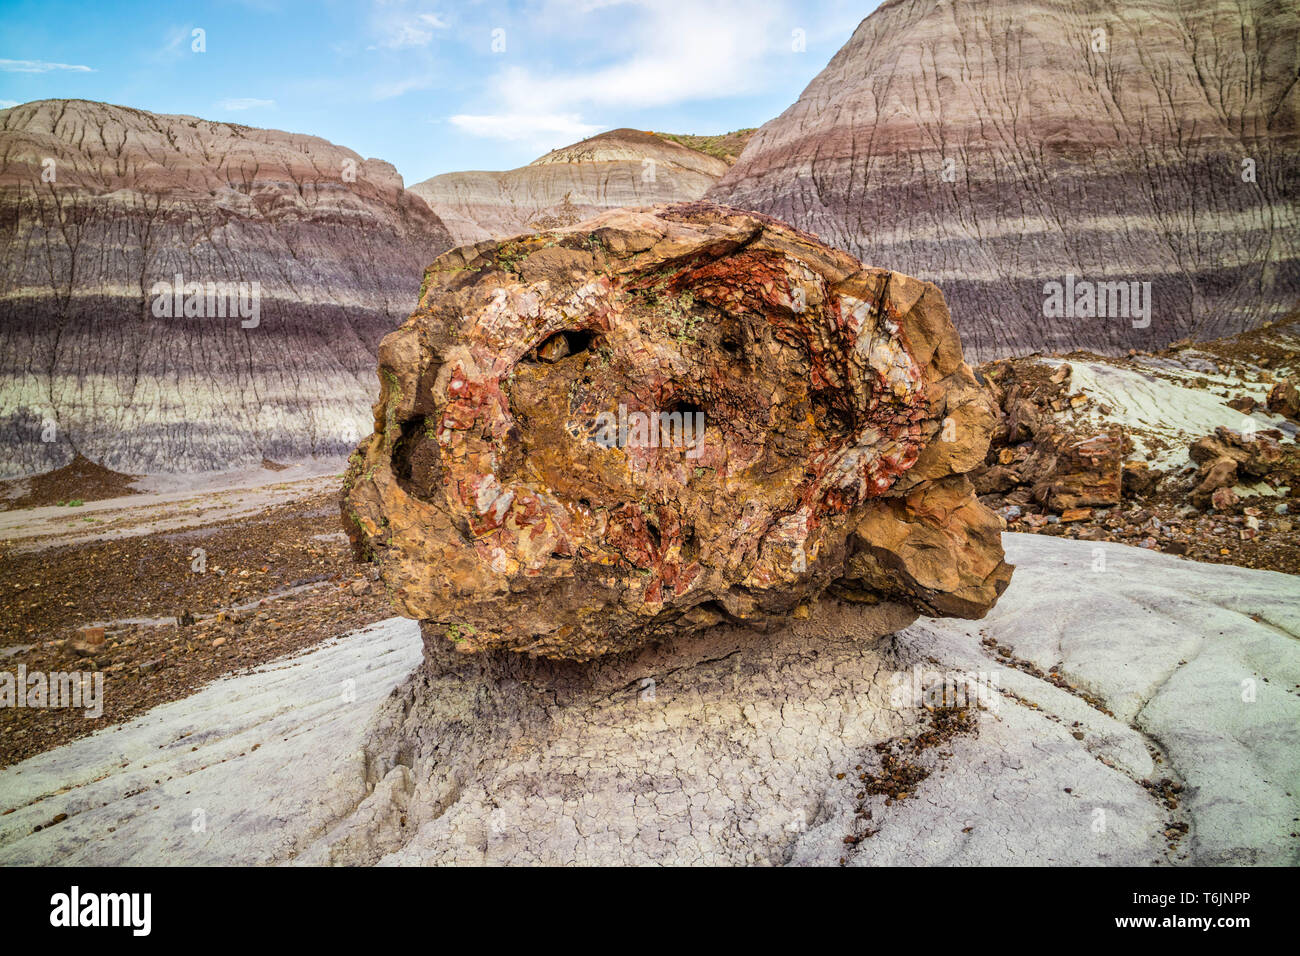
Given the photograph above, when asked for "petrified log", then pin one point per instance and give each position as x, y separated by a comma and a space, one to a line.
663, 419
1087, 472
1284, 399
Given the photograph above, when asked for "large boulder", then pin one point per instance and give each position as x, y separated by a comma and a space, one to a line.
663, 419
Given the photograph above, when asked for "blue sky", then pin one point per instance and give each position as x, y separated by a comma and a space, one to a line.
432, 87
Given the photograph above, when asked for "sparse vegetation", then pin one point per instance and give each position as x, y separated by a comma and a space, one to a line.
724, 146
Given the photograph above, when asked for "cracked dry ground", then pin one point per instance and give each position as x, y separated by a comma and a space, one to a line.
901, 765
736, 758
275, 582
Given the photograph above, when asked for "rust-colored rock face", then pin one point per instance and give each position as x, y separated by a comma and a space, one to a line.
662, 419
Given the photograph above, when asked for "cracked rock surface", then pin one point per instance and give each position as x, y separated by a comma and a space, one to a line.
663, 419
1143, 713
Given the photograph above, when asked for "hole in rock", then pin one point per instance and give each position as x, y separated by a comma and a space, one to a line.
690, 545
832, 418
733, 334
561, 345
684, 407
416, 461
716, 607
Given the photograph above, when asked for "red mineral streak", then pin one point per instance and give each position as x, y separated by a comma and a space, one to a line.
509, 519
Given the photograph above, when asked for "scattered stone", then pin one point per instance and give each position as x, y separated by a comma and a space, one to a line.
1139, 479
1223, 499
1256, 456
1284, 399
1217, 475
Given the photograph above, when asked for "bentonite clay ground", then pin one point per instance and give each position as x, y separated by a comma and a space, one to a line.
871, 791
273, 582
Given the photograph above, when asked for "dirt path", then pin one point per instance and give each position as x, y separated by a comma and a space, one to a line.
184, 591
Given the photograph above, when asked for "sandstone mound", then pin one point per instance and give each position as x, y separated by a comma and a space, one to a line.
623, 167
994, 148
79, 480
663, 419
101, 204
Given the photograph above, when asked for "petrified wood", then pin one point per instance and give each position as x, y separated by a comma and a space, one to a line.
663, 419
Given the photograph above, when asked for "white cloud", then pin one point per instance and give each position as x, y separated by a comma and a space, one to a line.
539, 128
399, 29
679, 51
245, 103
8, 104
40, 66
386, 91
